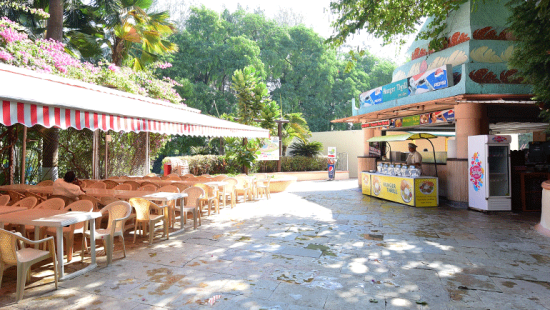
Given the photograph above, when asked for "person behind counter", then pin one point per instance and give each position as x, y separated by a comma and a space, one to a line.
69, 186
414, 158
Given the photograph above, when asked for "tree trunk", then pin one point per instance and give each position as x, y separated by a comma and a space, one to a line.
54, 29
118, 50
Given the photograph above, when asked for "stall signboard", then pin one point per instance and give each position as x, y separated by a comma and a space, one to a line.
365, 183
413, 120
425, 192
444, 116
393, 188
331, 152
427, 81
269, 150
381, 123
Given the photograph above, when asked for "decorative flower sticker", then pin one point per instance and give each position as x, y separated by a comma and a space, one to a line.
476, 172
499, 139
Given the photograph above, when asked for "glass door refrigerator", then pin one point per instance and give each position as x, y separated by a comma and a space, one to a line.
489, 186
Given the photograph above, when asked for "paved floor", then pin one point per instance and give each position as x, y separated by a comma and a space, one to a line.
322, 245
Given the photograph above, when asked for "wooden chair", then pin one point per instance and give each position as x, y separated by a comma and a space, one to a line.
4, 200
242, 188
263, 187
45, 183
96, 203
67, 200
70, 231
24, 258
27, 202
143, 209
181, 186
40, 198
99, 185
150, 183
118, 212
148, 187
135, 185
211, 197
192, 204
110, 184
171, 204
123, 187
15, 196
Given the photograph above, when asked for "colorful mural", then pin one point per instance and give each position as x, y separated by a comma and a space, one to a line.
489, 33
485, 76
487, 55
455, 39
476, 172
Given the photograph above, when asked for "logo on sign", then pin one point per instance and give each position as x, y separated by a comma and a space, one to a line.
499, 139
476, 172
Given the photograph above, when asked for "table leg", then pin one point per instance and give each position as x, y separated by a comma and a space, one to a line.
182, 214
61, 266
92, 241
166, 220
36, 236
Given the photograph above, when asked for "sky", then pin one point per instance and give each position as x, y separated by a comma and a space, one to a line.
316, 15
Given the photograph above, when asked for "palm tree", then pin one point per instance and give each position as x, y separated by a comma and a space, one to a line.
296, 128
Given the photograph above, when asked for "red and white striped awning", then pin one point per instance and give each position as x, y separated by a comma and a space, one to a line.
31, 98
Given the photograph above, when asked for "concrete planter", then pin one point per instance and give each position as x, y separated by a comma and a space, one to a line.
311, 175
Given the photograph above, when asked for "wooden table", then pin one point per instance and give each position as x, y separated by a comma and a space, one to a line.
10, 209
164, 198
58, 219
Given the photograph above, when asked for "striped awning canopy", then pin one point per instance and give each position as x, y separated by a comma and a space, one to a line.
32, 98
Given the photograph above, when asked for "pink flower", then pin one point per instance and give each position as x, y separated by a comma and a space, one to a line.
11, 35
113, 68
5, 56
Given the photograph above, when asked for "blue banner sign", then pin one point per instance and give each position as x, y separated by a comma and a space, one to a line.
430, 80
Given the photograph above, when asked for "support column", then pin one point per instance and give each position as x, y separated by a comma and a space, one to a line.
23, 155
471, 120
147, 160
95, 155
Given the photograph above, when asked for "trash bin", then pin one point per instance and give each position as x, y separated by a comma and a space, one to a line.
167, 169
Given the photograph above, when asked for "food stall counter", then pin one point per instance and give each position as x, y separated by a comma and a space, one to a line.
421, 191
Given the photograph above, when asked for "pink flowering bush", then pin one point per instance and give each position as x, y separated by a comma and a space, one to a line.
49, 56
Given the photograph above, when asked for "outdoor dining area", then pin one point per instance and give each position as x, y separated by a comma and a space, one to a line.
37, 225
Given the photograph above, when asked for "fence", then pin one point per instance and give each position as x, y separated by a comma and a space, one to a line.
342, 161
52, 152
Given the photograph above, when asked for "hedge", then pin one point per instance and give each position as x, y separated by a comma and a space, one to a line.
216, 164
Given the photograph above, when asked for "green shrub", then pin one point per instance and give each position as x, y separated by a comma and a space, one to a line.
216, 164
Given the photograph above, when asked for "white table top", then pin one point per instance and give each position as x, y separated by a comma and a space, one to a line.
28, 217
64, 219
164, 196
10, 209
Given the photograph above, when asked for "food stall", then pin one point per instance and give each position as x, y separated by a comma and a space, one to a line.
412, 190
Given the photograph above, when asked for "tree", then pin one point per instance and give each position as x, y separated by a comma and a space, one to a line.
295, 128
529, 23
390, 20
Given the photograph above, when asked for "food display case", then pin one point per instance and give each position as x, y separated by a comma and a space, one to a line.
421, 191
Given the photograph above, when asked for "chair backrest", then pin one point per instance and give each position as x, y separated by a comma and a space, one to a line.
135, 185
52, 204
14, 196
181, 186
67, 200
95, 202
231, 183
4, 199
150, 175
188, 175
99, 185
107, 200
117, 210
148, 187
142, 207
45, 183
220, 177
123, 187
206, 175
153, 178
82, 206
164, 177
241, 183
169, 189
173, 178
174, 175
194, 194
27, 202
110, 184
7, 247
150, 183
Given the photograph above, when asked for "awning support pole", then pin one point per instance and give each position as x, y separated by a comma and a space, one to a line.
95, 154
435, 160
23, 155
280, 133
147, 161
106, 155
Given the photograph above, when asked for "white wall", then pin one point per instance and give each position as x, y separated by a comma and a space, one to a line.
349, 141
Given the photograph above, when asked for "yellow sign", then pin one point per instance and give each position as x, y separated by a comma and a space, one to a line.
426, 191
392, 188
365, 184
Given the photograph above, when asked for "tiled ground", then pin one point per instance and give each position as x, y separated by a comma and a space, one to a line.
322, 245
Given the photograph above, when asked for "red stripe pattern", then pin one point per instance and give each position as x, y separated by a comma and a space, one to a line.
32, 114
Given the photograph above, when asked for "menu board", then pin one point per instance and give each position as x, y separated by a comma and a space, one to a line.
393, 188
365, 183
425, 191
